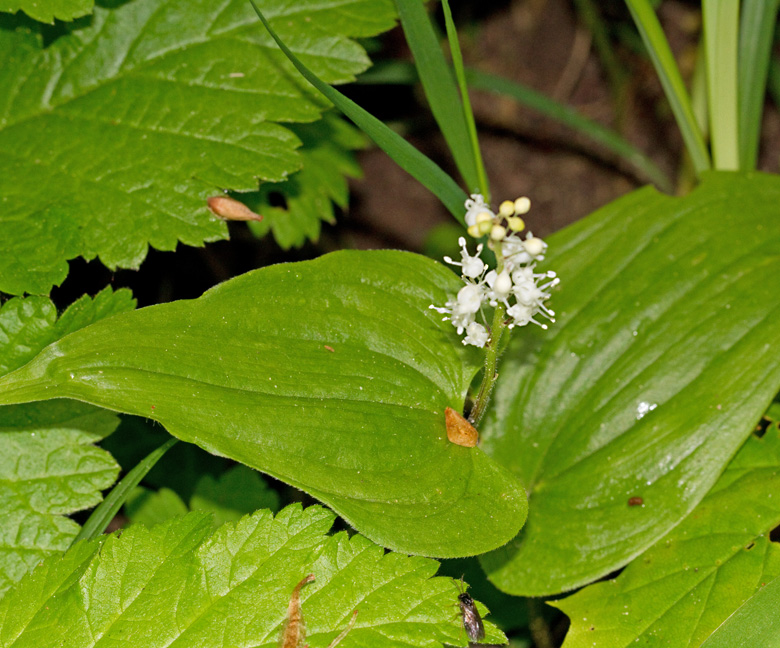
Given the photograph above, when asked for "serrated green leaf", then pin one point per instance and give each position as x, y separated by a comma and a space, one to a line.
180, 587
48, 465
151, 508
670, 302
48, 469
310, 193
237, 492
331, 375
27, 325
420, 167
47, 10
127, 123
233, 494
681, 589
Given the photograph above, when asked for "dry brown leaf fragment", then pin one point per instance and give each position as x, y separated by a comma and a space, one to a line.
229, 209
459, 430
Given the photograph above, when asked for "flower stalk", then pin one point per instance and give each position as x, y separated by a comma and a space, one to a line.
513, 289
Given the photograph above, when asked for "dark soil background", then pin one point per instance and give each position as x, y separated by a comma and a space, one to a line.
541, 43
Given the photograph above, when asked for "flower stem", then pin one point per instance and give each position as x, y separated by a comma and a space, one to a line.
491, 361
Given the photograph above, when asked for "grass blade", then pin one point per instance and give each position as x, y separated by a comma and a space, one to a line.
566, 115
756, 30
109, 507
457, 64
669, 75
721, 27
423, 169
439, 86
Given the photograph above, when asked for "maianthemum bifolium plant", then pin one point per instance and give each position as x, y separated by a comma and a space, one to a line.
618, 432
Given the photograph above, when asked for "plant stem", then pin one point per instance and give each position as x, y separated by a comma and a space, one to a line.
540, 631
491, 361
720, 19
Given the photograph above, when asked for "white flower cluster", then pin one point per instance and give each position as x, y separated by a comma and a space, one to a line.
521, 290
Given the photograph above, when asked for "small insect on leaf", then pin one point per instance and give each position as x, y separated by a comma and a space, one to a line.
294, 631
459, 430
472, 622
635, 501
229, 209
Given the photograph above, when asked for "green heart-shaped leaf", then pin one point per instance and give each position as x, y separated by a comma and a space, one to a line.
332, 375
664, 356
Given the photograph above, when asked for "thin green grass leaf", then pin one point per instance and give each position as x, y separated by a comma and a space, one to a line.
423, 169
721, 29
401, 73
669, 74
756, 31
566, 115
439, 87
108, 508
468, 114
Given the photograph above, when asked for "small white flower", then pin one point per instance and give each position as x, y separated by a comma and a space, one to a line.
519, 252
521, 290
472, 266
500, 286
470, 298
476, 205
522, 315
463, 310
476, 335
535, 246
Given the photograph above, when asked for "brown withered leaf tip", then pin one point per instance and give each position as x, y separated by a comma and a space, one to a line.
229, 209
459, 430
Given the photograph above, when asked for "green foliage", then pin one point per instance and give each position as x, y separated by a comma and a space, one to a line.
49, 468
237, 492
755, 624
685, 586
30, 324
183, 585
48, 465
332, 375
310, 193
132, 121
104, 514
47, 10
665, 301
422, 168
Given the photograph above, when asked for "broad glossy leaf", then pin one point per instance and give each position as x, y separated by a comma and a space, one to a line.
681, 589
179, 585
112, 137
756, 623
49, 468
47, 10
667, 306
332, 375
